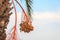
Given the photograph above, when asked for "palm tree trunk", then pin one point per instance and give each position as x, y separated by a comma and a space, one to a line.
4, 17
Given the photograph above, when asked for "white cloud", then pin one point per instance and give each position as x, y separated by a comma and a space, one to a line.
46, 15
43, 24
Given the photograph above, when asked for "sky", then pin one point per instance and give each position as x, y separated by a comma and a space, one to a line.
46, 5
46, 20
43, 5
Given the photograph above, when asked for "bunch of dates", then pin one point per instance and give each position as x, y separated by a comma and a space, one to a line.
26, 27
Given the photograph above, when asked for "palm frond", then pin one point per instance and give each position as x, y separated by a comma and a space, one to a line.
28, 5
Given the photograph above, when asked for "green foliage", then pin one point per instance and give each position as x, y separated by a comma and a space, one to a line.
28, 5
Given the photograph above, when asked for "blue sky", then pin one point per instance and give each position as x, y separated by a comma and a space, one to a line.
43, 5
46, 5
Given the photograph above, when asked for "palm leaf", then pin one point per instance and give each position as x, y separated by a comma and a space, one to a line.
28, 5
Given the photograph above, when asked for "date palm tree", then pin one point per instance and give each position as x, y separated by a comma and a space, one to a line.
5, 15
